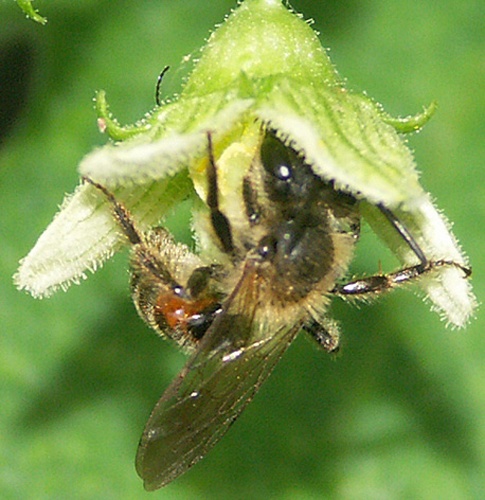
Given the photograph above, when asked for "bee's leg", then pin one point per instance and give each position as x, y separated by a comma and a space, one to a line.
120, 212
362, 288
398, 225
326, 336
383, 282
201, 279
145, 257
219, 221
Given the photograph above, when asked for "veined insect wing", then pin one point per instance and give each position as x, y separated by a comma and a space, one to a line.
232, 361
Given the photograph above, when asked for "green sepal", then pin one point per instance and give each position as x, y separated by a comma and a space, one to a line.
413, 123
107, 123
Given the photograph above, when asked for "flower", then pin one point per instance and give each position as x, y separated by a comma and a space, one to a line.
263, 66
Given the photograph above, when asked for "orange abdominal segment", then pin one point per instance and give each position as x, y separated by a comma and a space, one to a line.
179, 312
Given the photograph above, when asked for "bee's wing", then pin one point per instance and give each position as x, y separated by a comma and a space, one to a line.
234, 358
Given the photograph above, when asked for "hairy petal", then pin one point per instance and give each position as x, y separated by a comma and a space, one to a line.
84, 233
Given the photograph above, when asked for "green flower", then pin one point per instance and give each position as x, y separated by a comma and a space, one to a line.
263, 66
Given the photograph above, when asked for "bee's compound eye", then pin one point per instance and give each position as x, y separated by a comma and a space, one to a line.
276, 159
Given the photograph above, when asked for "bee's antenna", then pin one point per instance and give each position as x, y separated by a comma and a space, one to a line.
159, 83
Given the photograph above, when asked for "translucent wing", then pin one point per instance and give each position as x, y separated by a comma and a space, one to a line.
236, 355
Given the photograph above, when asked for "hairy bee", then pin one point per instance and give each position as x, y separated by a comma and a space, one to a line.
286, 247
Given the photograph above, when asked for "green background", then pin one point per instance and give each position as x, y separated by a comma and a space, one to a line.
399, 414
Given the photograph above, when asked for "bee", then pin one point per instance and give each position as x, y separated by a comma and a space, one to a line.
285, 250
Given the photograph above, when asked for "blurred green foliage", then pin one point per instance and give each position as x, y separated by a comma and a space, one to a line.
399, 414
